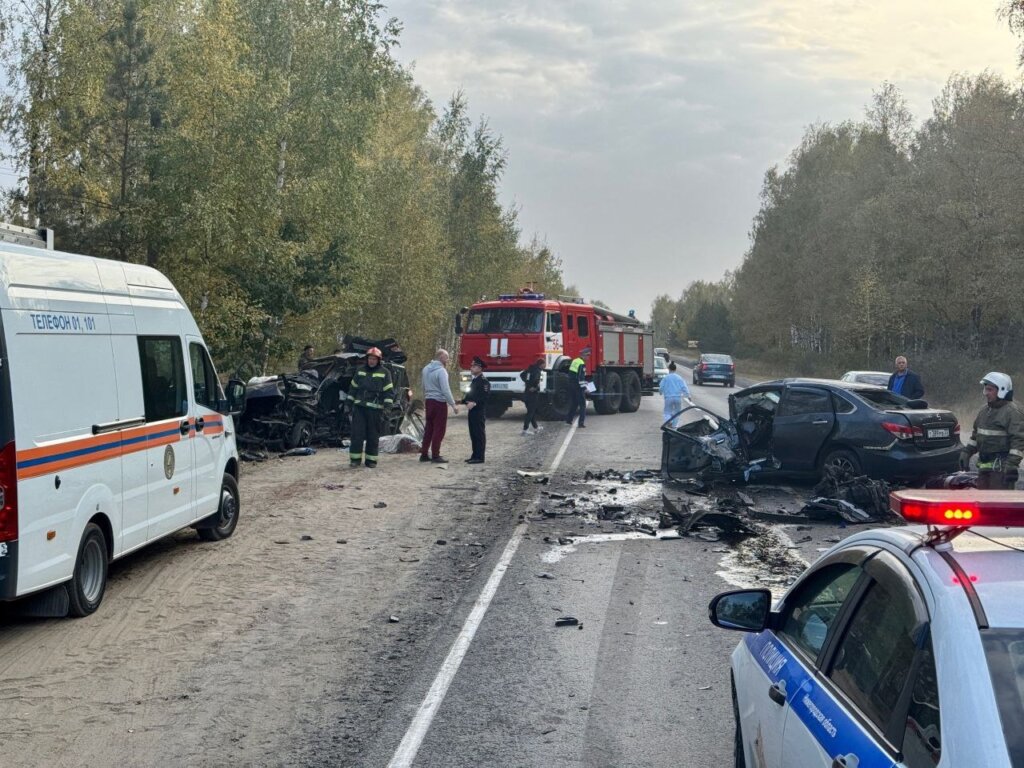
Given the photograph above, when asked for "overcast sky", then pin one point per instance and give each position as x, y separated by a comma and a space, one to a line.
639, 133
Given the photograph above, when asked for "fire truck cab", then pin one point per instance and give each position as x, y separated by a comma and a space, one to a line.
512, 331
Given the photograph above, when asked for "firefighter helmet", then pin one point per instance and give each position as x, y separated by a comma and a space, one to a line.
375, 352
1002, 383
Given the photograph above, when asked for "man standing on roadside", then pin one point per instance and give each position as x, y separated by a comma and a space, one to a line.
905, 382
531, 394
437, 397
476, 401
997, 437
673, 388
306, 358
578, 387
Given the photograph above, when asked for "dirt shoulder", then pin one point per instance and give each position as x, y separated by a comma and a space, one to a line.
270, 648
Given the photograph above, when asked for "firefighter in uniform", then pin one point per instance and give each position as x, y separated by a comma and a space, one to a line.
372, 392
476, 401
578, 387
997, 437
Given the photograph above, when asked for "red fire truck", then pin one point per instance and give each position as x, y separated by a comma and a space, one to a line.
513, 331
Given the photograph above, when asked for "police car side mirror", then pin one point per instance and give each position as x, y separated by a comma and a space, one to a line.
746, 610
234, 402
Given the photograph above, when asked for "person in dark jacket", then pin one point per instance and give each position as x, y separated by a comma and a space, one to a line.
476, 401
905, 382
531, 396
997, 436
578, 387
372, 393
306, 358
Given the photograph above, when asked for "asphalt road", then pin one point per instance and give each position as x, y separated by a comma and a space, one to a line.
643, 681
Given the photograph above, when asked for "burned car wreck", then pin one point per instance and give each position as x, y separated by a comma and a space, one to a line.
293, 410
801, 427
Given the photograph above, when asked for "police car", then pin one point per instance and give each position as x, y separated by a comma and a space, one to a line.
899, 647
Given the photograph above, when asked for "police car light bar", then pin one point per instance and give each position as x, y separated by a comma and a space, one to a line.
960, 508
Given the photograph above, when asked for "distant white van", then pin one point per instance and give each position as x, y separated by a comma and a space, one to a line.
114, 429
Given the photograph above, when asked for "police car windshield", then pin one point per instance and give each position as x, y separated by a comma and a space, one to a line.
1004, 651
505, 320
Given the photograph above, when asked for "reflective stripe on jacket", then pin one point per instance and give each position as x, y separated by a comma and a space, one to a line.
999, 429
372, 387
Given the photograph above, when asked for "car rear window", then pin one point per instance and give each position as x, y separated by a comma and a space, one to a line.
716, 358
1004, 651
882, 399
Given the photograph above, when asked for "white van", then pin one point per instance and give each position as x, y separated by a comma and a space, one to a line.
114, 429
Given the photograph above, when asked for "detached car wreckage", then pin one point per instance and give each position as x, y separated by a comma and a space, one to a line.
294, 410
804, 427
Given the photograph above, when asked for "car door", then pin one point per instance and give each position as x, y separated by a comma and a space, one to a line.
208, 442
780, 661
875, 700
169, 452
803, 423
696, 441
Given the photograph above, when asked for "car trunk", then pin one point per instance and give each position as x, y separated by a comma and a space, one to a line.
716, 369
932, 429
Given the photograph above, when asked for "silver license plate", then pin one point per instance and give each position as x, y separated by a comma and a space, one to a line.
937, 433
499, 385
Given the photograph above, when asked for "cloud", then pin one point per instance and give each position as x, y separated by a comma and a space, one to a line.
644, 129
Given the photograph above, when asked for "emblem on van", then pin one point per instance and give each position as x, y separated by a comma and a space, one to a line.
169, 462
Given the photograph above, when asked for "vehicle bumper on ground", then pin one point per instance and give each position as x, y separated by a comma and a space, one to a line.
909, 464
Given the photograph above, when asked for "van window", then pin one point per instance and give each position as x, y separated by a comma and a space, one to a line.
163, 377
204, 377
582, 327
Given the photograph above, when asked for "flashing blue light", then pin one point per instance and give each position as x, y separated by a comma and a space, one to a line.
515, 296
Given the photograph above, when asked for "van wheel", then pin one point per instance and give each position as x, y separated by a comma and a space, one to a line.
226, 517
89, 582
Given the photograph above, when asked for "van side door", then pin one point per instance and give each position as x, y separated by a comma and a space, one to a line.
208, 442
168, 434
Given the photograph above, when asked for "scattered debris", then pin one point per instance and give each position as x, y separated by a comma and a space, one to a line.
305, 537
400, 443
545, 576
342, 541
956, 481
529, 473
380, 505
245, 455
441, 541
567, 621
300, 451
392, 619
333, 486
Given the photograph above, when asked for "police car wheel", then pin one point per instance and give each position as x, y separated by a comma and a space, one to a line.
226, 515
89, 582
739, 758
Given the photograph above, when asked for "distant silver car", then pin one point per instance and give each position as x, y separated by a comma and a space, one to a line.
662, 352
878, 378
660, 369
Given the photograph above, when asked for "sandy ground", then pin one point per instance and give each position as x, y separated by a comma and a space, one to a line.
265, 649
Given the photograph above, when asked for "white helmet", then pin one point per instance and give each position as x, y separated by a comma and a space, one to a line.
1002, 383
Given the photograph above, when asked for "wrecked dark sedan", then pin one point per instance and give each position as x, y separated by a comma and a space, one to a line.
797, 427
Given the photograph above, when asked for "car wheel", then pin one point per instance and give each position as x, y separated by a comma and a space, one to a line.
226, 517
739, 757
89, 581
841, 458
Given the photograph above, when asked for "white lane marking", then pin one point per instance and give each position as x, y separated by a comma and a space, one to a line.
420, 724
561, 451
417, 731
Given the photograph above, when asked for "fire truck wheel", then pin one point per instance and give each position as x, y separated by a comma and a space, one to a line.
556, 405
89, 582
609, 398
631, 392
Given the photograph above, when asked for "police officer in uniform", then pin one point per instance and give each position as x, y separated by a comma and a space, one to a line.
476, 401
997, 437
578, 387
372, 392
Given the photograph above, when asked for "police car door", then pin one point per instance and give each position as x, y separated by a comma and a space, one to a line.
209, 429
874, 702
779, 662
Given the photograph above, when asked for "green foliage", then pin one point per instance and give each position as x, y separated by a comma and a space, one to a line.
271, 157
